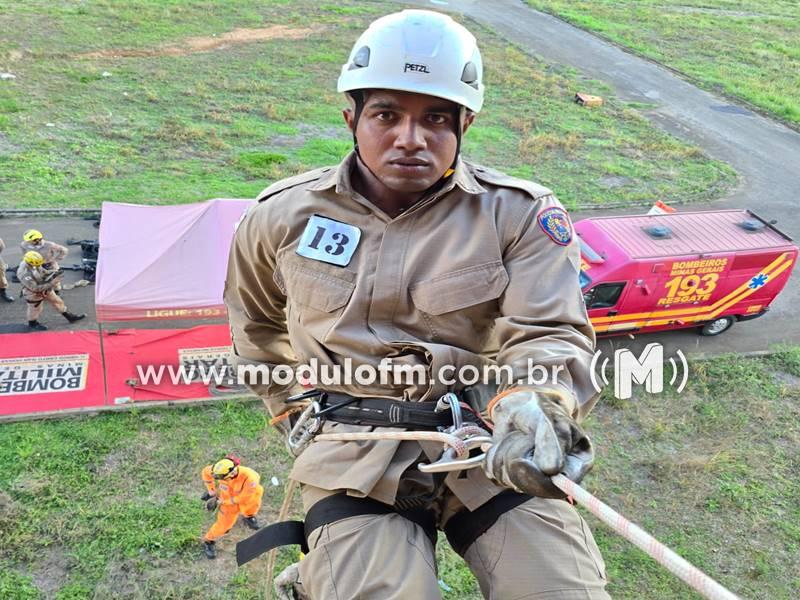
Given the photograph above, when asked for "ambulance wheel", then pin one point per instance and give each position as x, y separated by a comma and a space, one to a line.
717, 326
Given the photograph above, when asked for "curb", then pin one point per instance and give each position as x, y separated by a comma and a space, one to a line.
143, 405
95, 212
49, 212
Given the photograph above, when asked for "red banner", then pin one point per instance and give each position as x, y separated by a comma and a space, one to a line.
167, 364
139, 365
46, 372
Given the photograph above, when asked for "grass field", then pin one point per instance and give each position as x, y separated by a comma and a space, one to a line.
161, 101
108, 506
748, 49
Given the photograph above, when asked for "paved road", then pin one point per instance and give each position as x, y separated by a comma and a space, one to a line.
78, 300
766, 154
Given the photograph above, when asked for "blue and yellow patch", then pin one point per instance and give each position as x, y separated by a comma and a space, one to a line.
555, 223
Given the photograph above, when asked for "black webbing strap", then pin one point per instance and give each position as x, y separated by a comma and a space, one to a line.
465, 527
285, 533
381, 412
328, 510
341, 506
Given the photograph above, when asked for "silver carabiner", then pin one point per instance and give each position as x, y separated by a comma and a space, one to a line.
449, 401
449, 461
305, 428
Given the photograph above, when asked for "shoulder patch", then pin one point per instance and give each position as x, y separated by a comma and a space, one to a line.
290, 182
555, 223
500, 179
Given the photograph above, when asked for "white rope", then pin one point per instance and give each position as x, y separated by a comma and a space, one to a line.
456, 443
640, 538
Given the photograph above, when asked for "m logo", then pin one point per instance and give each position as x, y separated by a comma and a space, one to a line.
417, 68
647, 370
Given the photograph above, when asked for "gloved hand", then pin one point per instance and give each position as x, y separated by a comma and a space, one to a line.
206, 495
535, 438
212, 503
288, 586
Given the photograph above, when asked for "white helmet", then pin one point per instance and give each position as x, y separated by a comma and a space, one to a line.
417, 51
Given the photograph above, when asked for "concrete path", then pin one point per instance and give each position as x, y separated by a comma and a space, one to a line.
766, 154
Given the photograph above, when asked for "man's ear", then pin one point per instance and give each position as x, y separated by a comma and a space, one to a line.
347, 113
469, 118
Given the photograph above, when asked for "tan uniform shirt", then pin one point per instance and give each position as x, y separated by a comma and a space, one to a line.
34, 280
464, 277
50, 251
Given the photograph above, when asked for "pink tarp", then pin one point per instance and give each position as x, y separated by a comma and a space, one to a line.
164, 262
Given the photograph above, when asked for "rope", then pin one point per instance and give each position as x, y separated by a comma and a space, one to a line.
456, 443
288, 494
678, 566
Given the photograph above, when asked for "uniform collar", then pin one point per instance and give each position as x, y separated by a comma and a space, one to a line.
340, 178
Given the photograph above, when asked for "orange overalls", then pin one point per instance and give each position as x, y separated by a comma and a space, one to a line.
241, 494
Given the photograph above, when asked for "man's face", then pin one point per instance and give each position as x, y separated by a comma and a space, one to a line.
407, 140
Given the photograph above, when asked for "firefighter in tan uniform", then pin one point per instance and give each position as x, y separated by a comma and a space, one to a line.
405, 252
38, 286
52, 253
4, 295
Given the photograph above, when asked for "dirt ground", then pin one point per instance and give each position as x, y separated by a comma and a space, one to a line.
205, 44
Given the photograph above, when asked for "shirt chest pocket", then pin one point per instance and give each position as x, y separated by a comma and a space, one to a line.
460, 307
316, 294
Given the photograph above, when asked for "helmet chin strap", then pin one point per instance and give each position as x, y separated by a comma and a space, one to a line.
359, 100
462, 111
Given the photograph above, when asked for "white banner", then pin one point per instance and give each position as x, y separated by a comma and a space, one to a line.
43, 374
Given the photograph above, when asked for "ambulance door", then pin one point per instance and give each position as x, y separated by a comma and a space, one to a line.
603, 302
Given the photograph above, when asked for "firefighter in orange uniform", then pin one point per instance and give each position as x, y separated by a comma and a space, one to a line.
233, 490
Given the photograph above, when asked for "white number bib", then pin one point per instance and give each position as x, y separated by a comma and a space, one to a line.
329, 241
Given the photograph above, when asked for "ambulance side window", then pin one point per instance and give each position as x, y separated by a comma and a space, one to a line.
604, 295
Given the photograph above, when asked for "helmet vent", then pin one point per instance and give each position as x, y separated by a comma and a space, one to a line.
470, 75
361, 58
658, 232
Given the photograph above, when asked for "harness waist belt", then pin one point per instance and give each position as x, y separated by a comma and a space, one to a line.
380, 412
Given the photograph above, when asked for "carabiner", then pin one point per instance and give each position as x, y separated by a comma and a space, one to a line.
307, 425
449, 401
449, 461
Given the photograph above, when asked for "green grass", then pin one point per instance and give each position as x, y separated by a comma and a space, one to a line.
76, 131
108, 506
747, 49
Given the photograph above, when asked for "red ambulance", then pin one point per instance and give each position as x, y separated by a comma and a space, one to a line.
704, 269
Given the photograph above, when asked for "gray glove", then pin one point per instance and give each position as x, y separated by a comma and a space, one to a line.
288, 586
212, 503
534, 439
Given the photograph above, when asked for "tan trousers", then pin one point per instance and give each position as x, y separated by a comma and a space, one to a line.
36, 301
3, 280
539, 550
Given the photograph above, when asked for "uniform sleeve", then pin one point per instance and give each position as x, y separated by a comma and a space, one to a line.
59, 252
2, 245
543, 319
208, 479
255, 303
27, 280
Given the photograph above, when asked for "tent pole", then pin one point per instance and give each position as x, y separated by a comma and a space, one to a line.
103, 362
